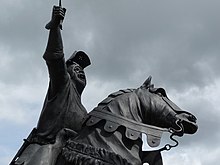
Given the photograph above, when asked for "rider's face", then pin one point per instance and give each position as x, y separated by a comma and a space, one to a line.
77, 74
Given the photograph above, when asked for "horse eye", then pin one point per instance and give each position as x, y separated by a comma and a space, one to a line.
160, 94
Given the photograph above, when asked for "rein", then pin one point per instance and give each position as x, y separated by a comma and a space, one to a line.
154, 157
179, 132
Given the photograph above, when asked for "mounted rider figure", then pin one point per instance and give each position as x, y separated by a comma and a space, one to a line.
62, 111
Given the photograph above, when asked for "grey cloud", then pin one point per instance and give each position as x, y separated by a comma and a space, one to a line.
160, 42
177, 42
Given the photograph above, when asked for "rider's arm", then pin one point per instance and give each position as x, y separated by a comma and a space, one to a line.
54, 55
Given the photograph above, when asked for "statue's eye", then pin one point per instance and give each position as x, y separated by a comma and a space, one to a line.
160, 94
76, 69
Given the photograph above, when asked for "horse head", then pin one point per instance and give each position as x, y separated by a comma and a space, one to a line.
162, 112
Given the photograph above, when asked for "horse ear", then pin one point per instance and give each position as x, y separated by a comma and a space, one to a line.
147, 82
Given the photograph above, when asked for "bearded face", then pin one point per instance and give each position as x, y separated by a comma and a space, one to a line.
77, 74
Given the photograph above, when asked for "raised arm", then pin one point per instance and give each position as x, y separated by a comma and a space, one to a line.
54, 55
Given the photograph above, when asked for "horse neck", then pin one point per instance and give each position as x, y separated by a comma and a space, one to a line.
127, 105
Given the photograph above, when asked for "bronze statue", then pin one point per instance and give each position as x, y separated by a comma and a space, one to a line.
111, 133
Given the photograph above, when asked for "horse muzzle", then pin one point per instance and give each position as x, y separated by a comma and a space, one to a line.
188, 122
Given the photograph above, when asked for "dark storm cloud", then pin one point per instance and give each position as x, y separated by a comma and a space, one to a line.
150, 38
126, 37
177, 42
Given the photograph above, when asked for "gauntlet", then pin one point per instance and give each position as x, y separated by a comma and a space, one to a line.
58, 15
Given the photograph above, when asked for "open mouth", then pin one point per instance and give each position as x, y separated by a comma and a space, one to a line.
189, 122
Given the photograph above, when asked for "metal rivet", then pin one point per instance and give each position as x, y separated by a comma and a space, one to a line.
132, 134
91, 121
110, 126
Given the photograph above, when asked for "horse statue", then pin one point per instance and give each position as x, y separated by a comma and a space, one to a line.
111, 133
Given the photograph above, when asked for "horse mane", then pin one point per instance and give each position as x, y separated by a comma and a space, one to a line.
112, 96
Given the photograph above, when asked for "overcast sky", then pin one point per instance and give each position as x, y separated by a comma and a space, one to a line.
175, 41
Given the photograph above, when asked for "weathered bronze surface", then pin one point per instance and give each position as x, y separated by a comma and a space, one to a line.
111, 133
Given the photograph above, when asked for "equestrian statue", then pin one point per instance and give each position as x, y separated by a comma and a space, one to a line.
111, 134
